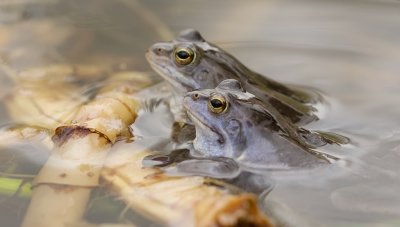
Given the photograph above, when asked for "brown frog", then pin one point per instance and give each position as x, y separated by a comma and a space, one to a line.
233, 126
231, 122
190, 63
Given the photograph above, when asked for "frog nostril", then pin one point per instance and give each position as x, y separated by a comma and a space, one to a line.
158, 51
195, 96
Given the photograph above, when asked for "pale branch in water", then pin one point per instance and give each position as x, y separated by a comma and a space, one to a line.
177, 201
73, 168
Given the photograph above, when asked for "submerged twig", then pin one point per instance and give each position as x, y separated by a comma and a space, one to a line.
177, 201
17, 175
74, 167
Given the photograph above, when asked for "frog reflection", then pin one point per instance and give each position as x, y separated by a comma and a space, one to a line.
189, 63
231, 122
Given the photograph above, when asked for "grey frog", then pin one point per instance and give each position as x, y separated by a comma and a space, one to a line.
189, 63
231, 122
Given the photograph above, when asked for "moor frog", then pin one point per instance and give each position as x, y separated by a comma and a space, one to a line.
231, 122
189, 63
235, 130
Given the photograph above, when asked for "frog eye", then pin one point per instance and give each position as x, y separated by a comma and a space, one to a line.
184, 56
217, 104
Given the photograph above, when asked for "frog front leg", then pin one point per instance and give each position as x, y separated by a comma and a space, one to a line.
181, 163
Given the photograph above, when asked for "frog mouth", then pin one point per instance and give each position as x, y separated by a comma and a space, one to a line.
172, 76
205, 126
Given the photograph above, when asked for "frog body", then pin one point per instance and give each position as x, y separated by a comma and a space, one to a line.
231, 122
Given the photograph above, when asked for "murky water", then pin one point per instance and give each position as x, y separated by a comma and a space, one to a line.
348, 49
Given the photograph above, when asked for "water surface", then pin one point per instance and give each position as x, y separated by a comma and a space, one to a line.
348, 49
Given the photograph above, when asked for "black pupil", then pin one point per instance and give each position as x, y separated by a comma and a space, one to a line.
183, 54
216, 103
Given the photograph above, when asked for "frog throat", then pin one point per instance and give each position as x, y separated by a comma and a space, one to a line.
173, 77
204, 126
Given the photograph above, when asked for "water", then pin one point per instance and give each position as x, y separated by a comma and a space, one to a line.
347, 49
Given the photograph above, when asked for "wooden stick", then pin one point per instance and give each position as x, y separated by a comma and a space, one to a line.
63, 185
177, 201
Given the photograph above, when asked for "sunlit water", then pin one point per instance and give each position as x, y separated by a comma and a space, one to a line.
349, 50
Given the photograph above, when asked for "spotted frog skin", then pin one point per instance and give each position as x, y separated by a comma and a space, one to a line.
190, 63
231, 122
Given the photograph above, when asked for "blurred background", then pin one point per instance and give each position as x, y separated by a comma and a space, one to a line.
350, 50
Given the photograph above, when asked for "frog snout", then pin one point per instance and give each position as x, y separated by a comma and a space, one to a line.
190, 98
186, 102
160, 49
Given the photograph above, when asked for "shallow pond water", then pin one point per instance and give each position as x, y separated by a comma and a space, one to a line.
348, 49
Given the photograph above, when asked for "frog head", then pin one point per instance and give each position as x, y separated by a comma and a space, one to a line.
225, 118
189, 62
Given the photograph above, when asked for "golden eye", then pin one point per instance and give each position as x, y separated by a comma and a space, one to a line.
217, 104
184, 56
